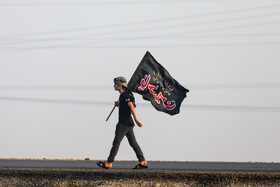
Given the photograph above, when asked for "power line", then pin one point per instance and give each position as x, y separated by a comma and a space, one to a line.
103, 103
132, 47
230, 35
142, 22
134, 30
55, 88
88, 44
59, 101
92, 44
233, 108
242, 86
98, 3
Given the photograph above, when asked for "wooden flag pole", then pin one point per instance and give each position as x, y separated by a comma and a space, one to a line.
111, 113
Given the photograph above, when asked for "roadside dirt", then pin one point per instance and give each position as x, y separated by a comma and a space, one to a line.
116, 177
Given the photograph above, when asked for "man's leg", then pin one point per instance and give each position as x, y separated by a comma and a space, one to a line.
121, 131
133, 143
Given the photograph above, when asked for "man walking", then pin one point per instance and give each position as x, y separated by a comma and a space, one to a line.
125, 125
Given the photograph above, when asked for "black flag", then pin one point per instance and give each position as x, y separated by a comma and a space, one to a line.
155, 84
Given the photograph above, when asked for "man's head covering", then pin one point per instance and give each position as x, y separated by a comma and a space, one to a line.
120, 81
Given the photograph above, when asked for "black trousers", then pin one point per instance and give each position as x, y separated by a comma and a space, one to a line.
121, 131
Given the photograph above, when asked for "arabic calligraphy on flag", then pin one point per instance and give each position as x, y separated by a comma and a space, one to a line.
155, 84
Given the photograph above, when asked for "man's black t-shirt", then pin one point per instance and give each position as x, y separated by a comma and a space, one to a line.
124, 110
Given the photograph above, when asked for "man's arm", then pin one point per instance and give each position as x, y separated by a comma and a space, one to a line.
130, 104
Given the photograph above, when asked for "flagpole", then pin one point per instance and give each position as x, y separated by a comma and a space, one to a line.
111, 112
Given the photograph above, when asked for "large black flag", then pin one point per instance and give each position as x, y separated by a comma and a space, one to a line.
155, 84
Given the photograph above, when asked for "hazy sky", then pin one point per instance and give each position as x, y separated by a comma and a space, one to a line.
58, 60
